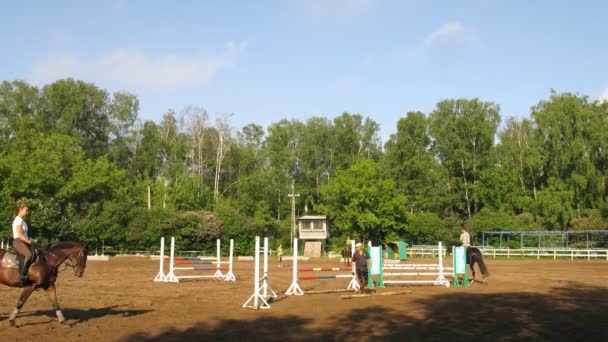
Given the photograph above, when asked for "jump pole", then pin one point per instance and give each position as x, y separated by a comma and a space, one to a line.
256, 297
218, 274
230, 276
171, 276
161, 277
361, 295
295, 289
354, 284
265, 286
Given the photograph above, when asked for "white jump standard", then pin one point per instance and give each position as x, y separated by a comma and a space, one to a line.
296, 290
195, 264
260, 298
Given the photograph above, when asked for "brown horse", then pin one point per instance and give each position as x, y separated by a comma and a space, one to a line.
43, 273
347, 252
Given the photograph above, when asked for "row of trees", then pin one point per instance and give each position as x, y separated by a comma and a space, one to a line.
85, 162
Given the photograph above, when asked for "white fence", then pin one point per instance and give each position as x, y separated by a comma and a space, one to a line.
420, 251
547, 253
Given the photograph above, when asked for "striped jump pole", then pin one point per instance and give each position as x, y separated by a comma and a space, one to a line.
201, 268
320, 276
257, 300
161, 277
362, 295
323, 269
296, 290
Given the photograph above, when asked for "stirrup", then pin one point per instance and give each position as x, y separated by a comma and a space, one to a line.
24, 279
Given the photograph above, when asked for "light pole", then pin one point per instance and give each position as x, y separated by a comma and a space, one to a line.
293, 196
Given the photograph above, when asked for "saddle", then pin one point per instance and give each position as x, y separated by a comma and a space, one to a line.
16, 261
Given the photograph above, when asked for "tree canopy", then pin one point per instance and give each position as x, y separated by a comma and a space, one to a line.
83, 160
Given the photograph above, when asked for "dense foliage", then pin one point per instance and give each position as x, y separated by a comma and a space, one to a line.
84, 161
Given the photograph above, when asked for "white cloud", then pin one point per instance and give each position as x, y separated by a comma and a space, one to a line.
603, 96
450, 31
134, 68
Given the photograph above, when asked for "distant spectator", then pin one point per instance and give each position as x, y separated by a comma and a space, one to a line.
280, 254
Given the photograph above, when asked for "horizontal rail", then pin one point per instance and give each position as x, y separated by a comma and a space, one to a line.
526, 252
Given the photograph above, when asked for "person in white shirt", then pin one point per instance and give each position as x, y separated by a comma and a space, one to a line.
465, 237
21, 240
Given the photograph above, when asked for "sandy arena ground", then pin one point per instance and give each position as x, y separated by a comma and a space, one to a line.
531, 300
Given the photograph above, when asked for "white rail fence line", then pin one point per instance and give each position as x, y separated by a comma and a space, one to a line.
527, 252
547, 253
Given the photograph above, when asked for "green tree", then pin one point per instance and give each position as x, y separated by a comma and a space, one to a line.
410, 163
463, 132
361, 204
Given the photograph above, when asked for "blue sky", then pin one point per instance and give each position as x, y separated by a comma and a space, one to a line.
268, 60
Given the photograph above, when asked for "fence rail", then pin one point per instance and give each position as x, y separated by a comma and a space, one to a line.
537, 253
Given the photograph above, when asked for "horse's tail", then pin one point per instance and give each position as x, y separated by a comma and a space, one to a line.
482, 266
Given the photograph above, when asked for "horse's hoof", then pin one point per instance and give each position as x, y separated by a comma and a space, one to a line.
11, 323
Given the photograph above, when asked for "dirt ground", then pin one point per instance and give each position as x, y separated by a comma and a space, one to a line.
117, 301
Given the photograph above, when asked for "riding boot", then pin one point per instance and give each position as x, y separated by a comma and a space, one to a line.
24, 272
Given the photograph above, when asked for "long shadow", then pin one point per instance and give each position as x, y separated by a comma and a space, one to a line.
77, 316
571, 312
262, 329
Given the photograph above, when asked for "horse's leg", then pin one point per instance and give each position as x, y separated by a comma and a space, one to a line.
472, 266
52, 293
25, 294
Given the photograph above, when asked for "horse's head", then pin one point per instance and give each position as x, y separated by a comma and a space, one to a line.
80, 259
74, 255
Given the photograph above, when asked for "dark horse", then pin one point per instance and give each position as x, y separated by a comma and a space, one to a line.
43, 273
474, 256
347, 252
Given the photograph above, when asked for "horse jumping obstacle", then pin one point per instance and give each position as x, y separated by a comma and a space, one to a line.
437, 270
296, 290
173, 278
260, 288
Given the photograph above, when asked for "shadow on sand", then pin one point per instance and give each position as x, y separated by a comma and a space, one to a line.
76, 316
570, 312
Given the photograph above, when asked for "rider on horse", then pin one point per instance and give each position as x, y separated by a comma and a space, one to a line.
21, 240
465, 237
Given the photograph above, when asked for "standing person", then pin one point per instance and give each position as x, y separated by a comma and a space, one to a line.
465, 237
22, 242
280, 254
360, 261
